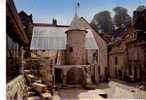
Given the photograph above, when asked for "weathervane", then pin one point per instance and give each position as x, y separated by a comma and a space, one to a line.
77, 5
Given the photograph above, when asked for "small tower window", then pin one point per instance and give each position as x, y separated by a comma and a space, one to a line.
70, 49
116, 60
43, 50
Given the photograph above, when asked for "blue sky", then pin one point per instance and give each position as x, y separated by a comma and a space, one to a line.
43, 11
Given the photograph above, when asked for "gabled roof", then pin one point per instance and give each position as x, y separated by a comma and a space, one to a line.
101, 43
49, 25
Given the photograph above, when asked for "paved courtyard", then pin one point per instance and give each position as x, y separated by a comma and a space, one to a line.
79, 94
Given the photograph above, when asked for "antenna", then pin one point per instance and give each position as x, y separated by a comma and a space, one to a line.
77, 5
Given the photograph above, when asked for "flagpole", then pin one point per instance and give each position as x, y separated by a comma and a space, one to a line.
75, 9
77, 5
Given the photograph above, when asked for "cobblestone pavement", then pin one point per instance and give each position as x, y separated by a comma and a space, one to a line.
79, 94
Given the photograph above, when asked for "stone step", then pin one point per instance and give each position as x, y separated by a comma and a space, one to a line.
39, 87
90, 86
34, 98
47, 96
71, 86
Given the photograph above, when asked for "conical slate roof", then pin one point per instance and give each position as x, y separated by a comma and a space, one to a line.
76, 24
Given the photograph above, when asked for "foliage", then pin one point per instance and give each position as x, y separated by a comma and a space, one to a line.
103, 22
121, 18
140, 8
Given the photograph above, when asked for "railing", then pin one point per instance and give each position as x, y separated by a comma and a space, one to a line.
16, 89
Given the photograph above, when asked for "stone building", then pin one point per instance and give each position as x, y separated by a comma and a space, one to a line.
16, 40
137, 46
28, 28
117, 52
27, 23
116, 58
127, 53
73, 49
76, 35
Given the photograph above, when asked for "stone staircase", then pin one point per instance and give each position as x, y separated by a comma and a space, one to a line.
35, 95
38, 90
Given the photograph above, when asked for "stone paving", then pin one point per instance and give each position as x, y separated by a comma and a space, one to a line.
79, 94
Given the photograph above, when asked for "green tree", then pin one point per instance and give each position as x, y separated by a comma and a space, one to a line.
140, 8
102, 22
121, 18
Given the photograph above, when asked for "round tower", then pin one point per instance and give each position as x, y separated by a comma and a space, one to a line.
76, 52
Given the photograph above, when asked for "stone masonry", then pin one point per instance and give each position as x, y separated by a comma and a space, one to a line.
76, 47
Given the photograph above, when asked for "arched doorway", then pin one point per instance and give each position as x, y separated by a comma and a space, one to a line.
75, 76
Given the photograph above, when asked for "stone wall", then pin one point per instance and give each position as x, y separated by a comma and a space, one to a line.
117, 53
16, 89
115, 67
102, 45
122, 91
76, 53
57, 56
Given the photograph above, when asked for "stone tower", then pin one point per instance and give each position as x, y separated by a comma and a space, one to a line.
76, 52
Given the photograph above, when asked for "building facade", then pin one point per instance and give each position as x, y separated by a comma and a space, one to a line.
16, 40
71, 47
127, 54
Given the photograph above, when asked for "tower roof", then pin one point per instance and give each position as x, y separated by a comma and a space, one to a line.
76, 24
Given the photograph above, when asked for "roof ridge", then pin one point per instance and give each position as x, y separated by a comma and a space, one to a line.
47, 24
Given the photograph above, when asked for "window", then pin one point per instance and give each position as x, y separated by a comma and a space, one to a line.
43, 50
70, 49
116, 60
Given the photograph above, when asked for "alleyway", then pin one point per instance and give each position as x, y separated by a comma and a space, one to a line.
80, 94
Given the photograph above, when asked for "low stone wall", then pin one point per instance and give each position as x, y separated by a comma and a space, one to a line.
122, 91
16, 89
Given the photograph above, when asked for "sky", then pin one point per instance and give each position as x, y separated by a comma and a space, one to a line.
43, 11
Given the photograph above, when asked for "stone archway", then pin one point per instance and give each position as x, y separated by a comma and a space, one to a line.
75, 76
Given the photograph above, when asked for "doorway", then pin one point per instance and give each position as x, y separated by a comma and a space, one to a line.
58, 75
